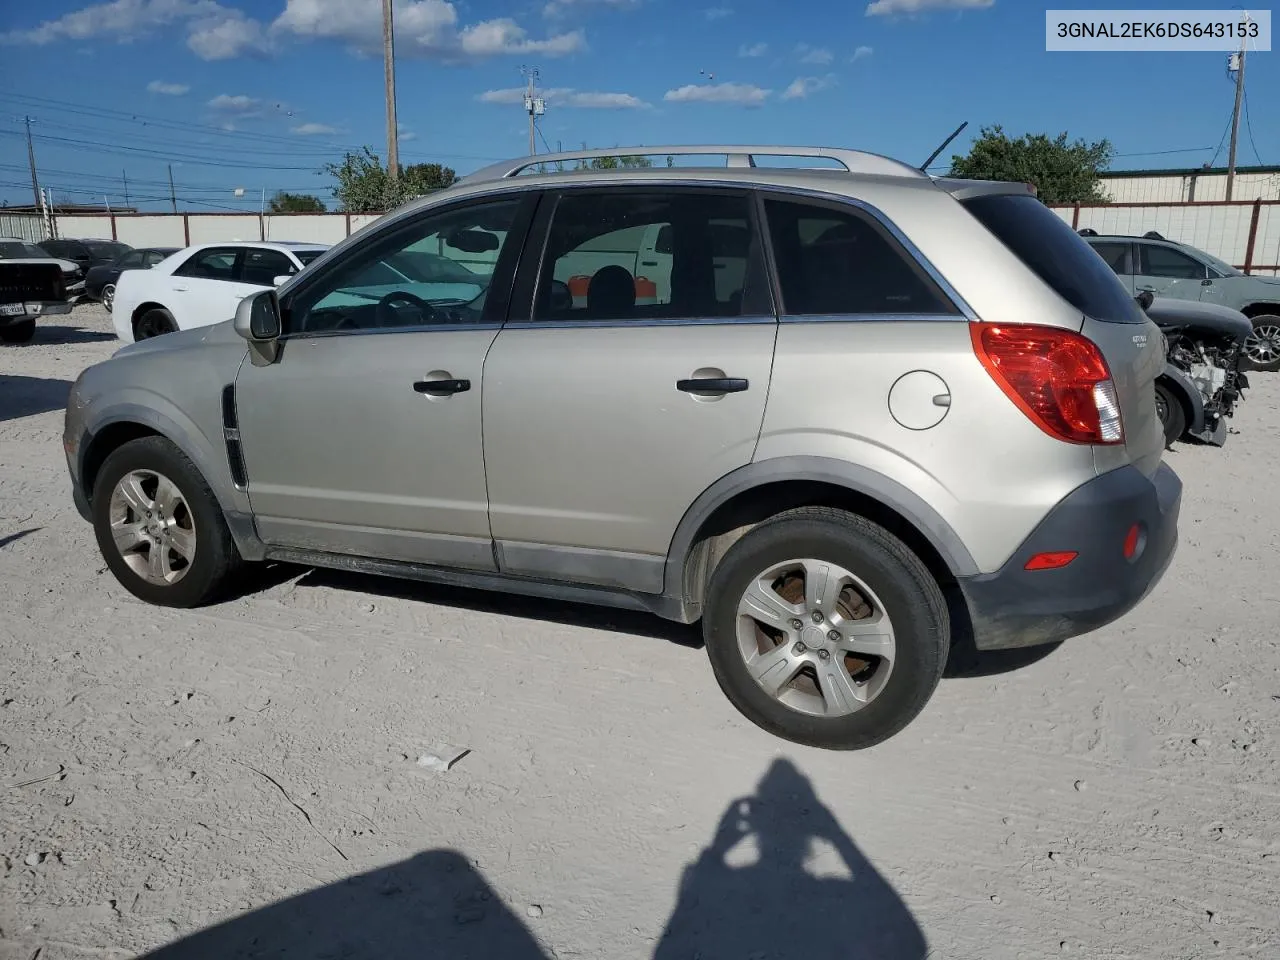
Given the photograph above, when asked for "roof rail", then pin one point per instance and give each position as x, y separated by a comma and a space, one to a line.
854, 161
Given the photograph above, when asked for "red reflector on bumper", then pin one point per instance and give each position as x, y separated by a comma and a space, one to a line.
1131, 542
1051, 561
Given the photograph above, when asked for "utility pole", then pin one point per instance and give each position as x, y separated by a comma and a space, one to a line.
31, 159
173, 196
1235, 116
389, 65
534, 105
125, 175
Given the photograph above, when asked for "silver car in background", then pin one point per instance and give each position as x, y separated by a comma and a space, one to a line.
839, 416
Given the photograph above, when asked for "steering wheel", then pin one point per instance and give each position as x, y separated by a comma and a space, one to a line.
385, 317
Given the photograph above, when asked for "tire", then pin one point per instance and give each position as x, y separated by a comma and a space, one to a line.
108, 295
154, 323
21, 332
1262, 349
188, 577
1172, 415
893, 582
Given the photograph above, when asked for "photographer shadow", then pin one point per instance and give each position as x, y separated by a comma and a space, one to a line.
753, 892
433, 905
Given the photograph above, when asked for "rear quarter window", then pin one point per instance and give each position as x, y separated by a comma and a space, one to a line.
1057, 255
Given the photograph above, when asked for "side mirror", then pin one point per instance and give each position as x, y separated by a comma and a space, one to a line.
281, 279
258, 317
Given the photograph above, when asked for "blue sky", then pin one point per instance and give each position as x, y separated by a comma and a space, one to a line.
260, 93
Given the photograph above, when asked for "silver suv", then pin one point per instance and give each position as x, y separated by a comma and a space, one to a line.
840, 416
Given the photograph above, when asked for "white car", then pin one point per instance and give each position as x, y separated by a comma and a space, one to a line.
15, 248
202, 285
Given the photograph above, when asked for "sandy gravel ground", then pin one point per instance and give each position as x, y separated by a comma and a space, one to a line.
243, 780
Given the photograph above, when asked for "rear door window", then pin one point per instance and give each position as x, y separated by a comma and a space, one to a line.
1057, 255
834, 260
1116, 254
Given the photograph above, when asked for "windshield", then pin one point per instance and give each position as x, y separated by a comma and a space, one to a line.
17, 250
306, 256
1057, 254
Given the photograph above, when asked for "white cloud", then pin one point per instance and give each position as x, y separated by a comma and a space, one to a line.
814, 55
802, 87
558, 8
225, 103
315, 130
122, 20
744, 94
754, 50
228, 37
427, 28
505, 36
567, 97
861, 54
889, 8
169, 89
717, 13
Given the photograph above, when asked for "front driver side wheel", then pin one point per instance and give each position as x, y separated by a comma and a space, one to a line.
159, 526
825, 629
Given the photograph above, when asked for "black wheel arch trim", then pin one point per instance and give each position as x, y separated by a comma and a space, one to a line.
1183, 387
897, 497
197, 448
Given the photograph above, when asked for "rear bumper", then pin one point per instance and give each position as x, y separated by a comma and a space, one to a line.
1015, 607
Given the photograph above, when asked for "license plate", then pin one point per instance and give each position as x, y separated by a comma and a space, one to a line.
12, 309
34, 308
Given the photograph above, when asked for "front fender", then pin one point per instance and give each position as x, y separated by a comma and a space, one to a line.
204, 446
1185, 389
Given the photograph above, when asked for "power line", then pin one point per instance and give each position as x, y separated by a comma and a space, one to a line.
1249, 126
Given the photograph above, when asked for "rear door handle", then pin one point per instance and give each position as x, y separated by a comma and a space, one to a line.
180, 289
713, 385
442, 388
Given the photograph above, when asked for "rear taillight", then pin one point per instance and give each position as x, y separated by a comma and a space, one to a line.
1056, 377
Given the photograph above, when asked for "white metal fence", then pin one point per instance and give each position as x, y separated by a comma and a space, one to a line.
1246, 234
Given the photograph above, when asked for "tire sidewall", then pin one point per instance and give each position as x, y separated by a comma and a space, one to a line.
18, 333
157, 454
153, 319
1175, 425
920, 624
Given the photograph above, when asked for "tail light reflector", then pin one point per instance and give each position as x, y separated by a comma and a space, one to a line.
1051, 561
1057, 377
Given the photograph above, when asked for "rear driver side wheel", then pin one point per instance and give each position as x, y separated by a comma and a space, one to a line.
825, 629
153, 323
1262, 349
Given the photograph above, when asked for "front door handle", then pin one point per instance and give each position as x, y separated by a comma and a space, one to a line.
442, 388
713, 385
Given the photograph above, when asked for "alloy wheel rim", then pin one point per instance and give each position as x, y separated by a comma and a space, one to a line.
815, 637
108, 295
1263, 345
152, 527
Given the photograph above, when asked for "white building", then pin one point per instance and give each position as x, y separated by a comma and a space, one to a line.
1191, 185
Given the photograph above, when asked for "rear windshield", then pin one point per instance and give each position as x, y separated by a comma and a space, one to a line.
1046, 244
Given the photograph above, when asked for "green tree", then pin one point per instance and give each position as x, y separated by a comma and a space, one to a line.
365, 186
284, 202
614, 163
1062, 171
